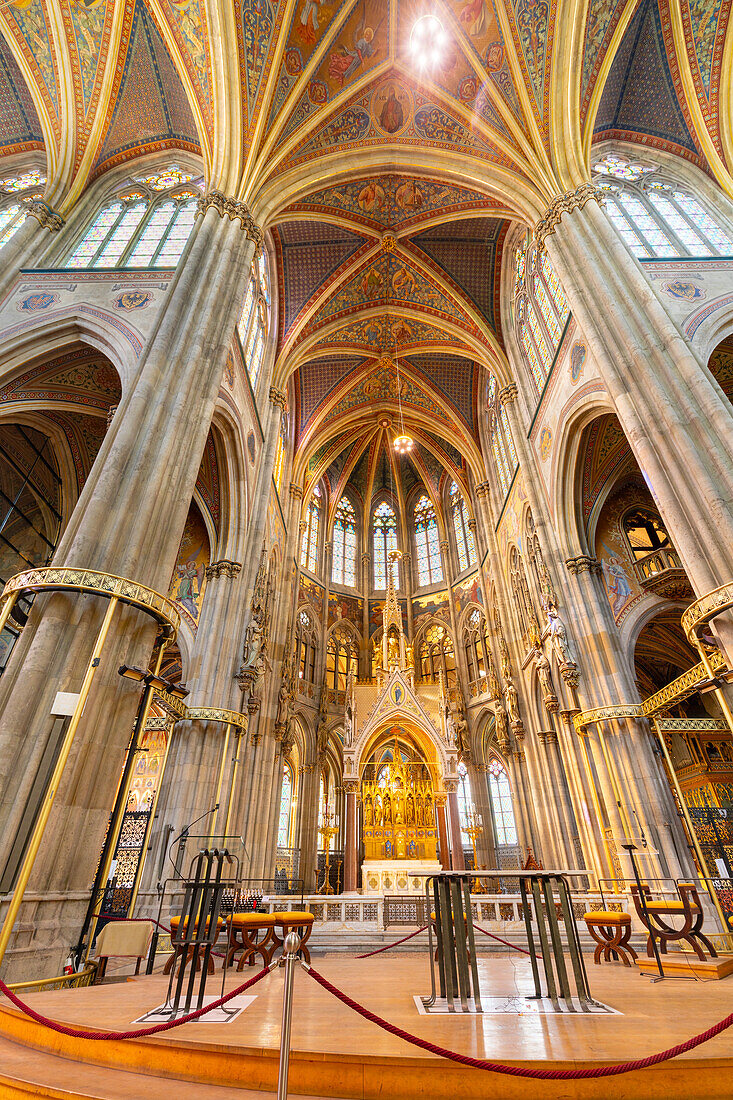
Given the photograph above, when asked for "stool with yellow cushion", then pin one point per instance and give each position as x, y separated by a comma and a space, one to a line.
435, 930
183, 949
612, 932
251, 933
296, 920
655, 920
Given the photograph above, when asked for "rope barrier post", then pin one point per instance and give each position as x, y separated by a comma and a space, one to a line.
290, 956
58, 771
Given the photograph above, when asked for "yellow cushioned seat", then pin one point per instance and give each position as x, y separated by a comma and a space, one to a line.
258, 920
293, 916
603, 916
465, 918
175, 921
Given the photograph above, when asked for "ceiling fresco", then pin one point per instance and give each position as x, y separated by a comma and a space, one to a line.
389, 147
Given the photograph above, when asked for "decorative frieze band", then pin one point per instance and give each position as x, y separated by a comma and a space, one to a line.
565, 204
223, 568
45, 214
232, 209
583, 564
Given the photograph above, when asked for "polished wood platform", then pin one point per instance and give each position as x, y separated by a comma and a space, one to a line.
338, 1054
683, 964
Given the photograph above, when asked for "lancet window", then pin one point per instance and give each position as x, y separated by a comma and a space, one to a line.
465, 545
654, 216
307, 648
540, 309
254, 321
341, 658
501, 803
311, 531
279, 466
384, 539
429, 566
286, 808
502, 440
343, 568
436, 653
146, 225
15, 194
476, 646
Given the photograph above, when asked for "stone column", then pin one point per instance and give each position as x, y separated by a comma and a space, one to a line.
128, 522
456, 839
309, 840
31, 243
675, 417
351, 840
366, 571
486, 843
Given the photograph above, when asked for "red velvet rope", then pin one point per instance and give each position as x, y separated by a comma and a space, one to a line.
524, 1071
80, 1033
391, 945
514, 946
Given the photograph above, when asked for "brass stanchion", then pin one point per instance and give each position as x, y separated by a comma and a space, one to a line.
45, 812
9, 605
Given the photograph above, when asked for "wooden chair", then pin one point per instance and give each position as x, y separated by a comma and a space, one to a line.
611, 932
245, 937
128, 939
293, 921
686, 906
182, 949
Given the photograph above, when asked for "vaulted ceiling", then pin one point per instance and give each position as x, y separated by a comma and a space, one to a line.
387, 144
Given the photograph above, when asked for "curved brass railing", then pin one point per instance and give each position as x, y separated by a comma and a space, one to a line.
684, 686
602, 714
215, 714
107, 585
63, 981
707, 607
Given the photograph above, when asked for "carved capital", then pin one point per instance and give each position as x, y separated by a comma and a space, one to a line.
277, 397
223, 568
552, 704
351, 786
547, 737
451, 786
296, 491
45, 214
508, 394
440, 800
583, 564
570, 674
483, 489
110, 413
230, 208
565, 204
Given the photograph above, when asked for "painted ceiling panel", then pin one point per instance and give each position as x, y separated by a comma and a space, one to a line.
452, 375
187, 19
152, 111
639, 99
29, 24
20, 128
470, 252
316, 380
309, 253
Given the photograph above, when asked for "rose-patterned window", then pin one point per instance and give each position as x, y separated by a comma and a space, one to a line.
146, 225
656, 217
15, 194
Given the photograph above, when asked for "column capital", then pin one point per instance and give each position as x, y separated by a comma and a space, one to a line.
547, 737
296, 491
232, 209
351, 786
483, 489
508, 394
583, 564
565, 204
365, 557
444, 545
45, 214
472, 525
223, 568
277, 397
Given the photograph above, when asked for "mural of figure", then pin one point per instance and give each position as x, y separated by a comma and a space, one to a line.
309, 20
408, 195
618, 583
344, 62
371, 197
392, 116
474, 17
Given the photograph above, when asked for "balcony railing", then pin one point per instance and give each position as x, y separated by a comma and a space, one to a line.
661, 572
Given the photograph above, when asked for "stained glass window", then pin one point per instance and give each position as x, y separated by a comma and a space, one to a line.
343, 569
502, 803
286, 807
12, 213
10, 222
429, 567
656, 218
540, 341
24, 182
341, 658
549, 316
554, 288
309, 542
502, 440
384, 539
464, 535
540, 309
253, 323
139, 230
279, 466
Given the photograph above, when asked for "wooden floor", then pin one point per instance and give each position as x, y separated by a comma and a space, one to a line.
338, 1054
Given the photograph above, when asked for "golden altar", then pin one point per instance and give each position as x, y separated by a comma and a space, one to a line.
398, 813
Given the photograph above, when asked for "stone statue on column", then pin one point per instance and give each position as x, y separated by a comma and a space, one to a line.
544, 675
558, 635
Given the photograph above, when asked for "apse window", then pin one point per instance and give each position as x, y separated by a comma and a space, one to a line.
145, 226
656, 217
16, 192
429, 42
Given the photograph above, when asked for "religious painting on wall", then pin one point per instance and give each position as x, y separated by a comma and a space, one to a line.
189, 576
345, 607
376, 610
312, 593
612, 551
434, 605
468, 591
